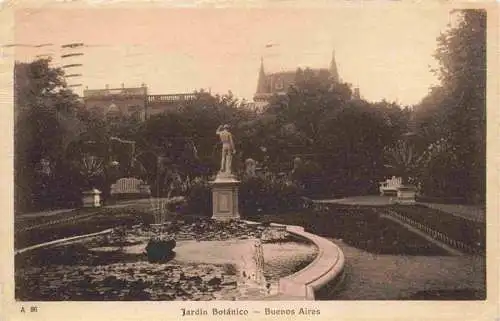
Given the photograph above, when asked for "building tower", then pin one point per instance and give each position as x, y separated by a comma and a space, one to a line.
334, 73
262, 94
262, 81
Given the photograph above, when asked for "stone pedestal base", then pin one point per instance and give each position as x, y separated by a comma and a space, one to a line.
225, 198
92, 198
406, 195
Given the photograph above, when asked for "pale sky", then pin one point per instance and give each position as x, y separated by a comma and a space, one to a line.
385, 51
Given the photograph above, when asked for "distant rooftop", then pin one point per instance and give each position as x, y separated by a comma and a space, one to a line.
135, 91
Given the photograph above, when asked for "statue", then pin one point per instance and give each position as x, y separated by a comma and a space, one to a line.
225, 185
250, 167
227, 149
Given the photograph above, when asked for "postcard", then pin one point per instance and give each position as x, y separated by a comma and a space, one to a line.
249, 160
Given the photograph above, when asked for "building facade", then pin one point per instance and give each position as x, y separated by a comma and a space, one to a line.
135, 102
278, 83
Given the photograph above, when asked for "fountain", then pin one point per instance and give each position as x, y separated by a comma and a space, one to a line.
223, 258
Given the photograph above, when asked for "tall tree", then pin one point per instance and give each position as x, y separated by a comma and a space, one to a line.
456, 110
46, 121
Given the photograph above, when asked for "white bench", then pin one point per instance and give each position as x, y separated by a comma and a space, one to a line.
130, 186
390, 185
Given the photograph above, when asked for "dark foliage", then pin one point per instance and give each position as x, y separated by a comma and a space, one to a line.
159, 251
268, 195
199, 199
456, 111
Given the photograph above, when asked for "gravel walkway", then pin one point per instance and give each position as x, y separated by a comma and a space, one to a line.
394, 277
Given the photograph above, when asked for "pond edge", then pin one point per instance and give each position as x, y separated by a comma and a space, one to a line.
62, 241
326, 269
323, 272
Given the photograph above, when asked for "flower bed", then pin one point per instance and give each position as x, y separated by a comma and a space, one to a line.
454, 227
361, 227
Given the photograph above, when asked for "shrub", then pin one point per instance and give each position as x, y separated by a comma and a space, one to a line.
198, 198
159, 250
256, 195
268, 195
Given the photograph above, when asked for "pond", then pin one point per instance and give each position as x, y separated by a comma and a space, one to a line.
211, 261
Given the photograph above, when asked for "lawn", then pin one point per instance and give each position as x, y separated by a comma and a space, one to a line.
385, 261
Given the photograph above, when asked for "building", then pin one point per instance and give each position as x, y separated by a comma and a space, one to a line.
135, 102
117, 102
278, 83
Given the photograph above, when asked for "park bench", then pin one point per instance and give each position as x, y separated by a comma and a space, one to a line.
129, 187
390, 185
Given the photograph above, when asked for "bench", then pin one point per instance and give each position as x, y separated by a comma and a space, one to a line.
129, 187
390, 185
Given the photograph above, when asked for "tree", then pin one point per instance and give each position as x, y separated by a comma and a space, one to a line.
344, 136
456, 110
308, 102
404, 161
187, 138
46, 120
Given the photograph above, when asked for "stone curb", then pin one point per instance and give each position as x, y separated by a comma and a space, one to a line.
61, 241
327, 267
324, 270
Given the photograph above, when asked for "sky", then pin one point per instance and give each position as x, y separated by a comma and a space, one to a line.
386, 51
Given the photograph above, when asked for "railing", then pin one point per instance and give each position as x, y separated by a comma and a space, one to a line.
173, 98
436, 235
123, 92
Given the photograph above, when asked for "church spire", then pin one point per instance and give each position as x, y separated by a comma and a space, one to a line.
261, 84
334, 74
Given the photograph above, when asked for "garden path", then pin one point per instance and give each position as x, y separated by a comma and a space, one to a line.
142, 201
368, 274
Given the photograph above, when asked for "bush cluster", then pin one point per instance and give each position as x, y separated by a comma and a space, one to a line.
257, 195
198, 198
260, 195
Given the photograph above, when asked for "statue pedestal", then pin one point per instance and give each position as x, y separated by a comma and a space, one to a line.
225, 197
